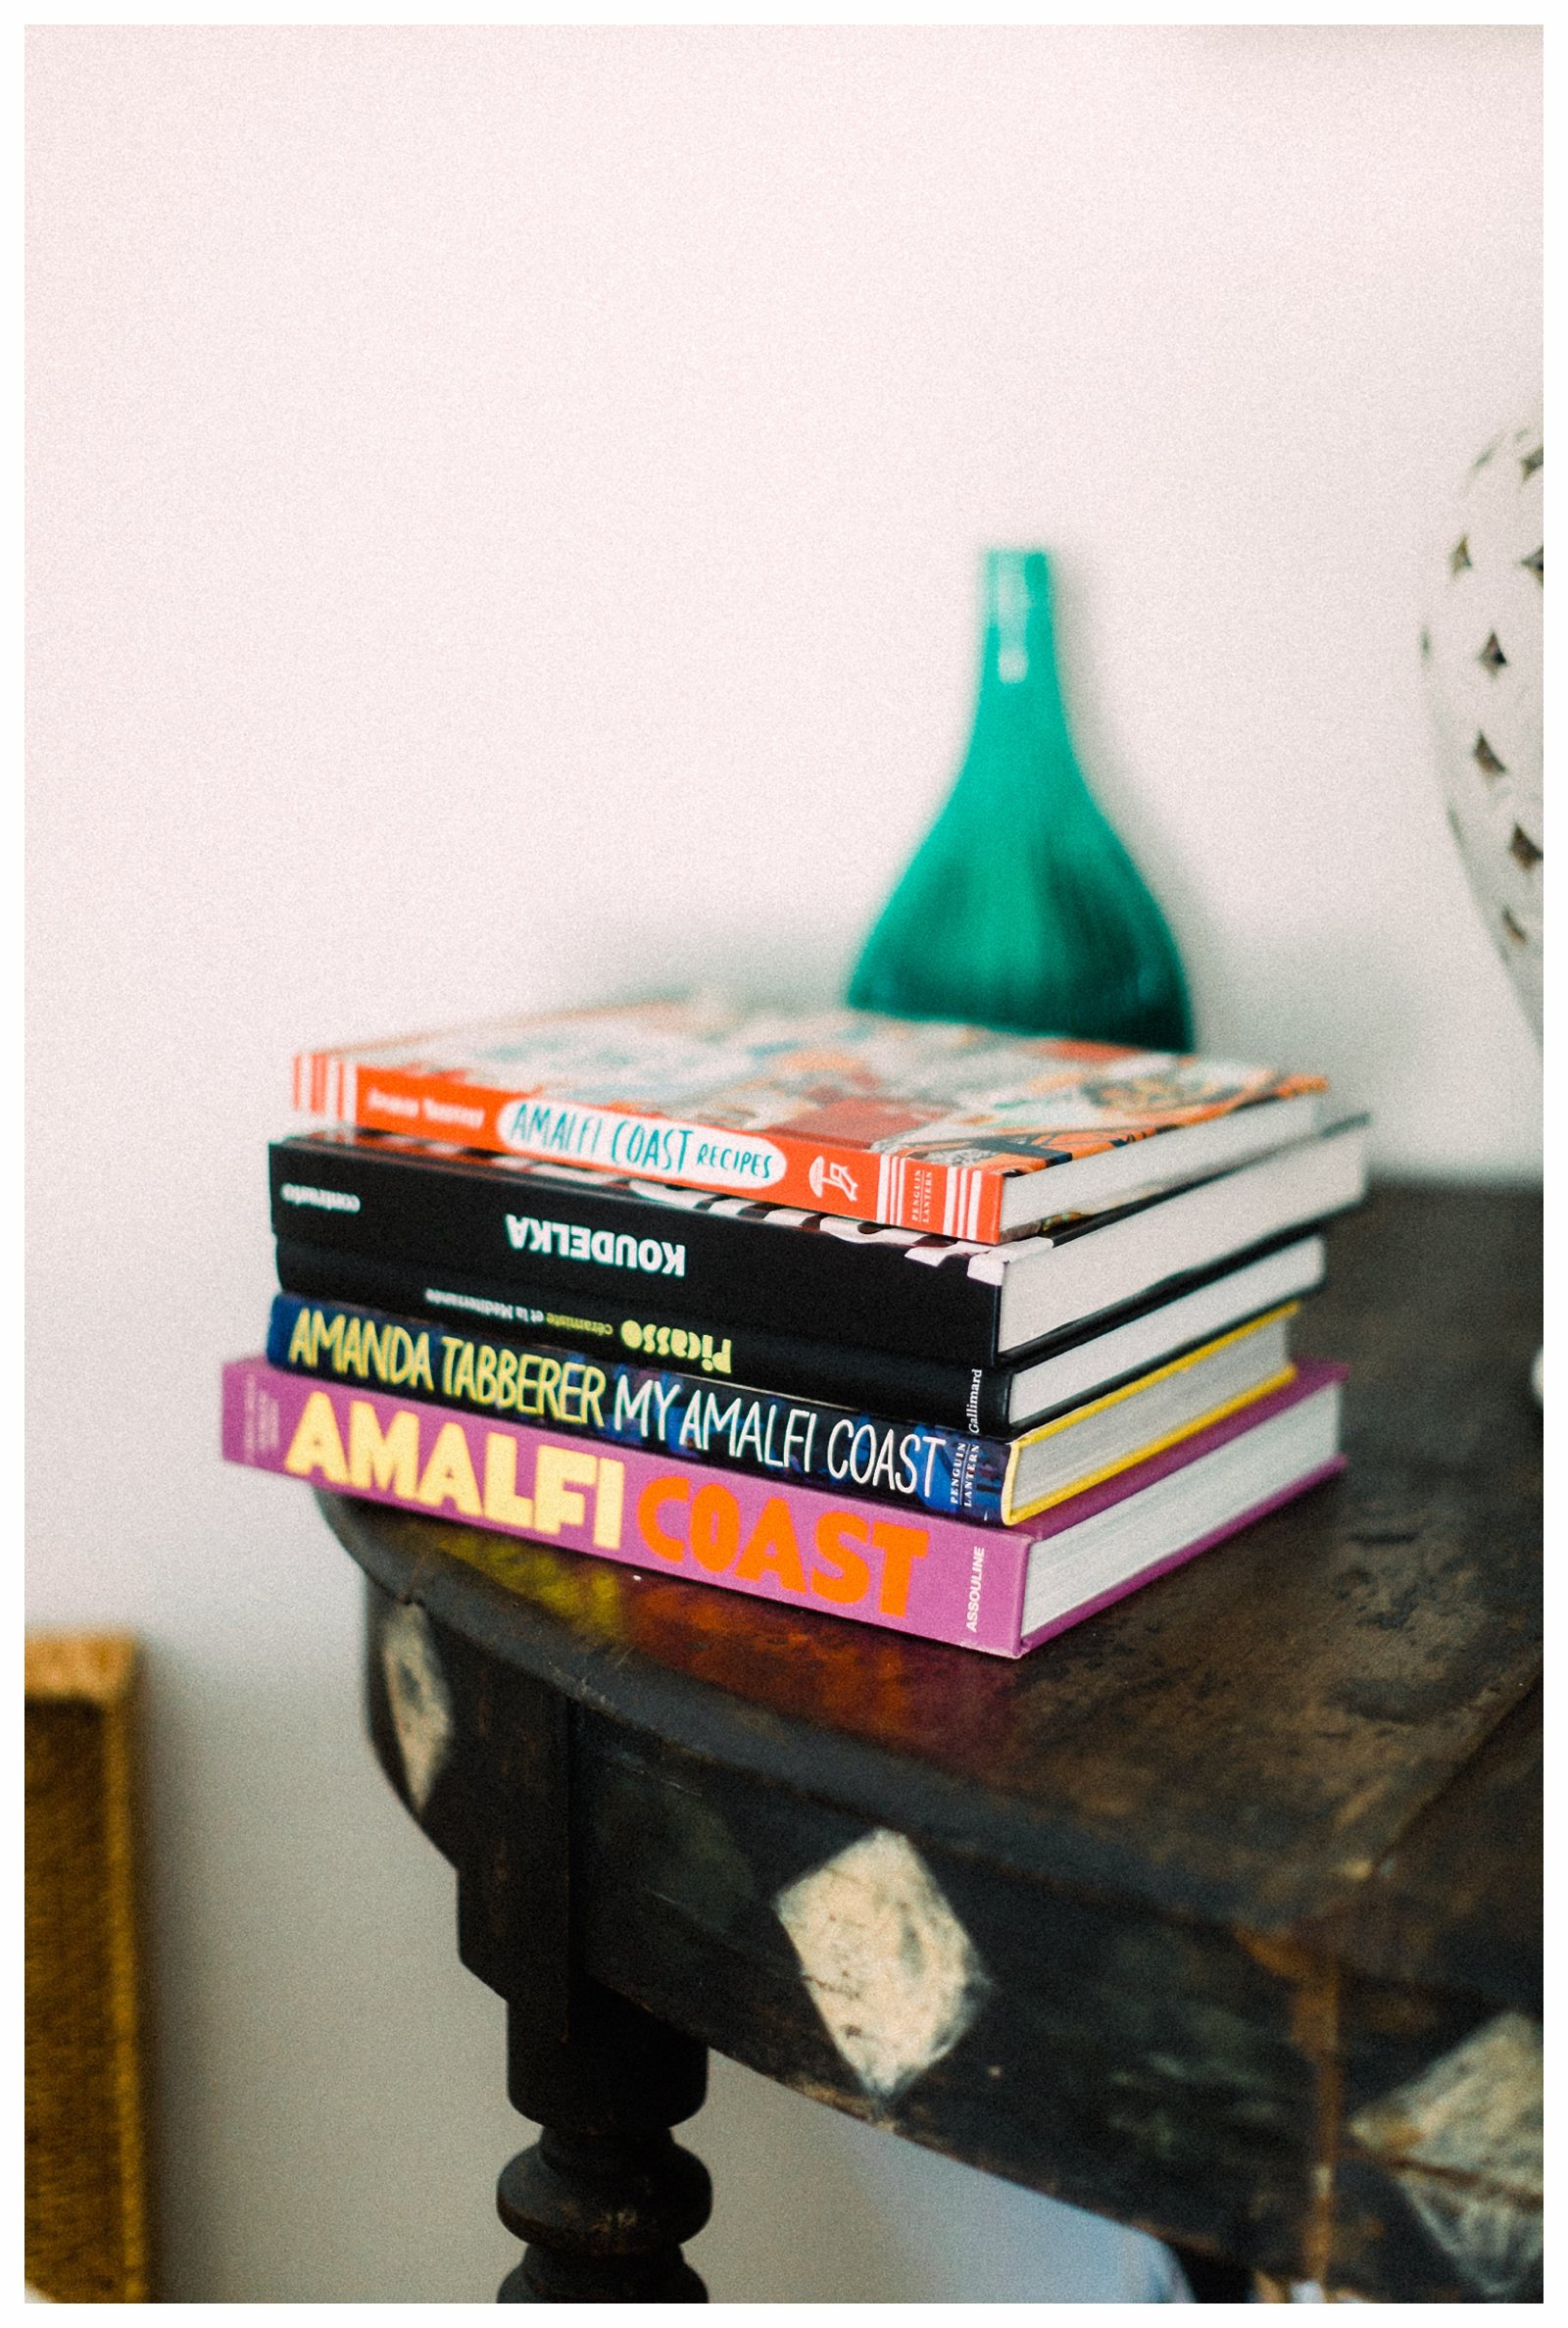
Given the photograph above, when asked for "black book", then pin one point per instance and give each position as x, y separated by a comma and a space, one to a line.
1059, 1373
577, 1236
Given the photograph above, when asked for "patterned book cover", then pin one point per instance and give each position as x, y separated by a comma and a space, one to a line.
945, 1579
914, 1125
835, 1447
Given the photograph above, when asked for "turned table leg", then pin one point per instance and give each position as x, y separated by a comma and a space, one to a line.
606, 2196
1211, 2279
483, 1754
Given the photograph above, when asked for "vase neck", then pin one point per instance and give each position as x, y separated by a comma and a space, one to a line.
1019, 694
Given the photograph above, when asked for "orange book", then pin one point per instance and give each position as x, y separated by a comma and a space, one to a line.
957, 1131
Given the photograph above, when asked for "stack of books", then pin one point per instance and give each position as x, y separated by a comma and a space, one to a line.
957, 1333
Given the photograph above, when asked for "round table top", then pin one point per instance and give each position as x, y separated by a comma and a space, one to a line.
1247, 1737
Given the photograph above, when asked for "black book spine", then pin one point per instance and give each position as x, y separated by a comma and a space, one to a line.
921, 1466
811, 1278
970, 1399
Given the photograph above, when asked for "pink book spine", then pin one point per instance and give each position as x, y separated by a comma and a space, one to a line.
912, 1573
841, 1556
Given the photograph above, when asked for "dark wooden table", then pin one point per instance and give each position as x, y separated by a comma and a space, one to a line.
1219, 1914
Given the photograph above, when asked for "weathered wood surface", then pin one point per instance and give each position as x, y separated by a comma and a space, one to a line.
1190, 1903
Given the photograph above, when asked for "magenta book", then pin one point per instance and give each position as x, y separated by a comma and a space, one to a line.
1000, 1590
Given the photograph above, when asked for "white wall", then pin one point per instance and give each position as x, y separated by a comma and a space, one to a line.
505, 507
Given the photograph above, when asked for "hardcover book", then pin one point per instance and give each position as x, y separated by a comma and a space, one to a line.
1081, 1362
998, 1590
995, 1481
569, 1239
948, 1130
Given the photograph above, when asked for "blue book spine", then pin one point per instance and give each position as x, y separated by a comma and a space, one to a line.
922, 1465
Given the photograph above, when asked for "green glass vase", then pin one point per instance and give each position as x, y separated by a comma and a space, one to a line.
1021, 909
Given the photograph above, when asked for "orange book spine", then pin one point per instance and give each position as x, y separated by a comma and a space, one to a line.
858, 1183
